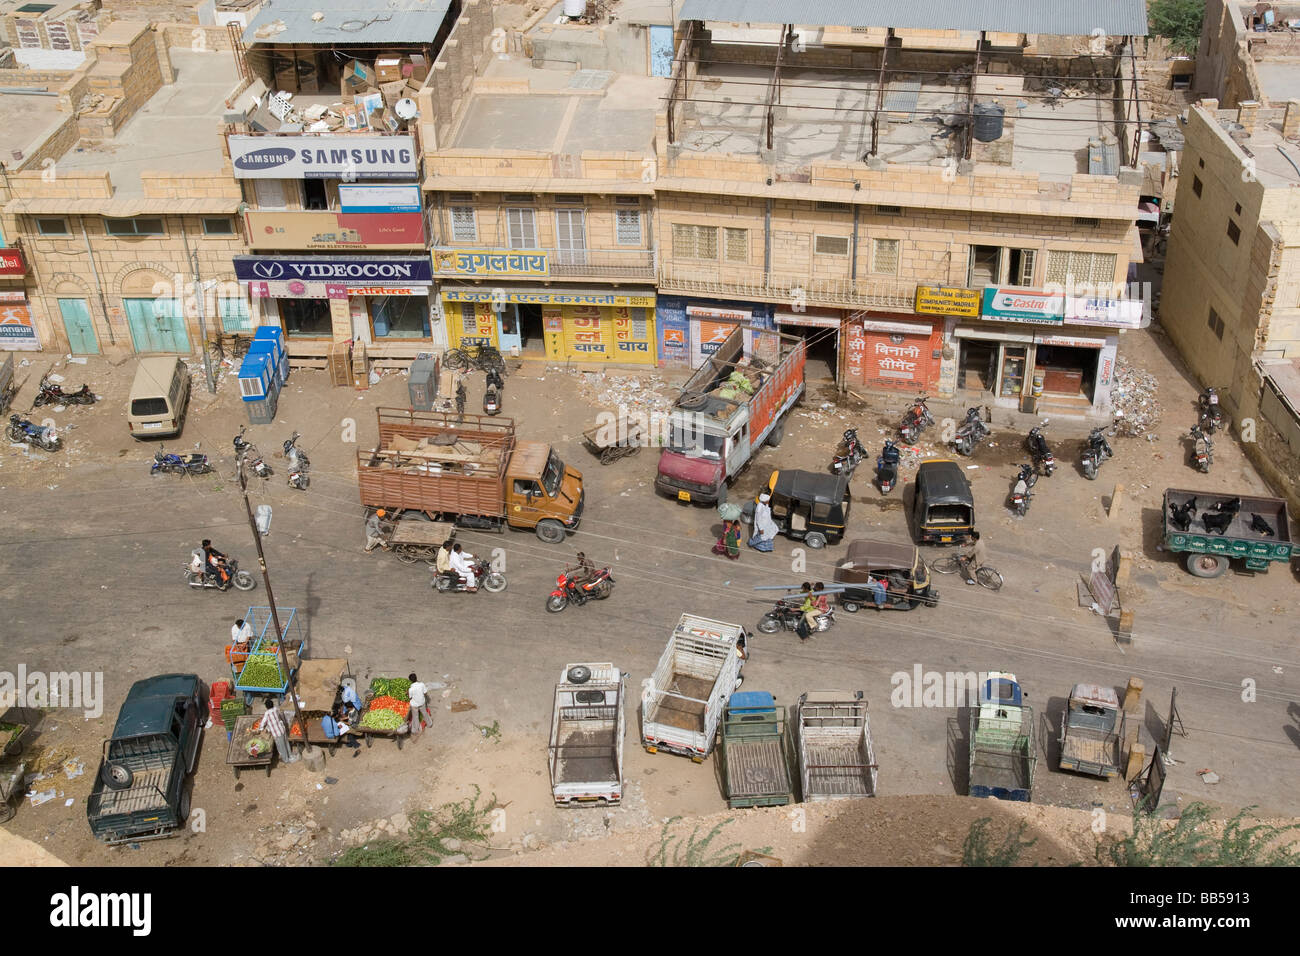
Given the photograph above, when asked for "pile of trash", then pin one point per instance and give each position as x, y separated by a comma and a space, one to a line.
1133, 397
644, 392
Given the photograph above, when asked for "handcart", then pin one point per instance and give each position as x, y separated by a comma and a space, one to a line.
628, 438
318, 690
414, 540
397, 733
239, 752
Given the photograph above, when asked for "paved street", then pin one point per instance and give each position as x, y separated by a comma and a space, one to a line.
90, 580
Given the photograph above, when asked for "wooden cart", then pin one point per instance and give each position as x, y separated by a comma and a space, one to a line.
237, 752
413, 540
629, 438
368, 732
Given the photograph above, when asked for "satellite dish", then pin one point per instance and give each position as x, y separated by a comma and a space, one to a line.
406, 109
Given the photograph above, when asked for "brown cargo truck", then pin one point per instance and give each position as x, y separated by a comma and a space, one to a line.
469, 470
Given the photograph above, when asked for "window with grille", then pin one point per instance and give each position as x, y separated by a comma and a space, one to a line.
521, 224
890, 210
234, 315
695, 242
468, 320
823, 206
627, 201
884, 256
737, 245
627, 227
831, 245
1077, 268
464, 228
460, 197
518, 197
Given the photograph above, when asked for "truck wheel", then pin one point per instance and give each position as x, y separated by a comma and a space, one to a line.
117, 776
851, 606
769, 624
579, 674
815, 540
776, 434
183, 811
1207, 565
550, 531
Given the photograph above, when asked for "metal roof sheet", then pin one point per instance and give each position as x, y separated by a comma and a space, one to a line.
1051, 17
344, 21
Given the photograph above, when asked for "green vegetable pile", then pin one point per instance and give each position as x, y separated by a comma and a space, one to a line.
262, 670
398, 687
381, 720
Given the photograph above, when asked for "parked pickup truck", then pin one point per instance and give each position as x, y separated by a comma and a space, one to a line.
833, 739
682, 702
1221, 527
587, 735
1092, 728
140, 792
733, 403
755, 763
469, 470
1002, 747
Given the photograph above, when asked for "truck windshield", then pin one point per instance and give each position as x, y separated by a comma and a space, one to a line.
552, 474
687, 439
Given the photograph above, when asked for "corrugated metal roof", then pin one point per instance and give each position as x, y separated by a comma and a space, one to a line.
346, 21
1051, 17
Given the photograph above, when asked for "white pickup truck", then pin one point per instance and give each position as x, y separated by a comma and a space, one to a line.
682, 703
587, 735
833, 738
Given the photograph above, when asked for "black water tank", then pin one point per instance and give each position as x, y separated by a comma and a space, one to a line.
988, 121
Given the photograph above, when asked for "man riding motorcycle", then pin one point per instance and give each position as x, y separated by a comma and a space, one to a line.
214, 563
462, 562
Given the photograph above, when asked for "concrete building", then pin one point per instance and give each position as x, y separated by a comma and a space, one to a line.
1231, 300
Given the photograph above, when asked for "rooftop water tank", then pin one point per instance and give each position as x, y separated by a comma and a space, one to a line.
988, 122
575, 8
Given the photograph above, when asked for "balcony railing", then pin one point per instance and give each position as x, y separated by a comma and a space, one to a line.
708, 279
638, 264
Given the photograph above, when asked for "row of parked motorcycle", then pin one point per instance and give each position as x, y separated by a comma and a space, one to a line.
46, 437
164, 462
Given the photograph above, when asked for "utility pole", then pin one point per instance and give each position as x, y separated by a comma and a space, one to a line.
199, 295
280, 636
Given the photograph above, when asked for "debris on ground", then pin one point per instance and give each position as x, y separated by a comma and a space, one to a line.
1133, 396
643, 392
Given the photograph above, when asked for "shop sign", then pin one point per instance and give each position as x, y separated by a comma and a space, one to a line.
941, 300
1072, 342
345, 157
334, 230
906, 328
17, 329
504, 263
712, 335
11, 263
549, 298
379, 199
388, 290
719, 314
1023, 305
297, 290
1105, 312
808, 319
347, 270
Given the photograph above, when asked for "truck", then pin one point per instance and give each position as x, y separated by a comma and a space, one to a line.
1254, 529
140, 791
1092, 729
586, 753
729, 407
1002, 747
682, 702
833, 740
755, 763
469, 470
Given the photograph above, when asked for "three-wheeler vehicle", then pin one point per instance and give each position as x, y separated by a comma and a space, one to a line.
943, 508
807, 506
898, 566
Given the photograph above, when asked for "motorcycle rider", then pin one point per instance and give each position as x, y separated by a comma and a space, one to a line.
214, 563
442, 563
462, 562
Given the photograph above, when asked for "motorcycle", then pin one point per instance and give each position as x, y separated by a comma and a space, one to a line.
970, 434
887, 467
52, 393
248, 451
1202, 449
299, 463
1210, 414
43, 436
196, 577
491, 581
849, 454
598, 586
1043, 457
1095, 452
492, 393
1024, 489
193, 464
788, 615
917, 420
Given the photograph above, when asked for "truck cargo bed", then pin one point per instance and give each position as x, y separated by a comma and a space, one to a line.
756, 768
835, 769
1088, 750
587, 752
683, 714
145, 793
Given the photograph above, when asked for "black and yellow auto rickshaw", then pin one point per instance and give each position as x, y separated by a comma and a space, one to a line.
897, 566
943, 508
807, 506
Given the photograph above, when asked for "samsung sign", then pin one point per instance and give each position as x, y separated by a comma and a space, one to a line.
370, 270
345, 157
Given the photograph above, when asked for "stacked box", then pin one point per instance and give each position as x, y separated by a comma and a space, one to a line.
263, 412
231, 709
423, 384
279, 362
273, 334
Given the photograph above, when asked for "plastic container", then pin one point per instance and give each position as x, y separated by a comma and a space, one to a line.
263, 412
256, 377
988, 122
263, 518
423, 384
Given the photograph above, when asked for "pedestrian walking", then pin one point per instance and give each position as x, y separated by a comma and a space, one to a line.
240, 632
419, 698
272, 722
765, 529
731, 539
375, 530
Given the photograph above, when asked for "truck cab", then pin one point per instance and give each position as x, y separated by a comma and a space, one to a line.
540, 488
1002, 747
1091, 729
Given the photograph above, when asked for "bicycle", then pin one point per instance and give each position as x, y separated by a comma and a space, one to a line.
230, 344
986, 576
484, 358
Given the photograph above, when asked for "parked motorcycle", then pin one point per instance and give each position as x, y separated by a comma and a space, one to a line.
299, 463
887, 467
42, 436
849, 454
597, 585
1209, 412
197, 577
1094, 453
489, 580
248, 451
1202, 449
193, 464
917, 420
52, 393
1023, 490
492, 393
971, 432
1042, 455
787, 615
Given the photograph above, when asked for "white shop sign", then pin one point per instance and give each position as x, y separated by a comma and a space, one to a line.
344, 157
719, 315
907, 328
1070, 341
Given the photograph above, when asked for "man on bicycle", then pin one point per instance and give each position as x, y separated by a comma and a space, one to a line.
970, 563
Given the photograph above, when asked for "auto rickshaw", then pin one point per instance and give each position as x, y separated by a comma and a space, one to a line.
943, 508
807, 506
898, 566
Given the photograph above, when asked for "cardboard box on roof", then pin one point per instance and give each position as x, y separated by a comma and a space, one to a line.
389, 69
356, 78
419, 67
393, 91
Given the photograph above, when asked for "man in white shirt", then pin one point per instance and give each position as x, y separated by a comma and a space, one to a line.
240, 632
462, 562
419, 697
273, 723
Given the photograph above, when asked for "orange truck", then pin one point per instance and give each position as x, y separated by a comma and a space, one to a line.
469, 470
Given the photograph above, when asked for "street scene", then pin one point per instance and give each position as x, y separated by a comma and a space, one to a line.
609, 434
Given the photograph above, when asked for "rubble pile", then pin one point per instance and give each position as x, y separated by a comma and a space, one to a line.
1133, 396
644, 392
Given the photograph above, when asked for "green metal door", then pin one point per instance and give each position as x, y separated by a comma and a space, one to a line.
157, 325
78, 326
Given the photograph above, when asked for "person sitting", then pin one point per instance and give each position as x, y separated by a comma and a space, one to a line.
462, 562
820, 599
442, 563
214, 563
878, 590
810, 612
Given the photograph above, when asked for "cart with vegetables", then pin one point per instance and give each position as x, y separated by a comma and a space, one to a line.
386, 711
11, 769
261, 673
250, 747
609, 442
317, 686
414, 539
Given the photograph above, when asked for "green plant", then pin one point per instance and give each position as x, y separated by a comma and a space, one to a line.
694, 850
465, 820
1179, 20
376, 853
492, 733
977, 849
1188, 842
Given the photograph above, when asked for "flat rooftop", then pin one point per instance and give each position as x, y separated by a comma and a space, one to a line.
28, 120
1279, 79
1270, 153
176, 130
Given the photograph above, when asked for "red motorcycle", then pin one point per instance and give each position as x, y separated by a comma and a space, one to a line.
578, 585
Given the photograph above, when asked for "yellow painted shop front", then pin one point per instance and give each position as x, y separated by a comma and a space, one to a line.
578, 326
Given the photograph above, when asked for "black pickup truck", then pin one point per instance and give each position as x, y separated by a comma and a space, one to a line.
140, 792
